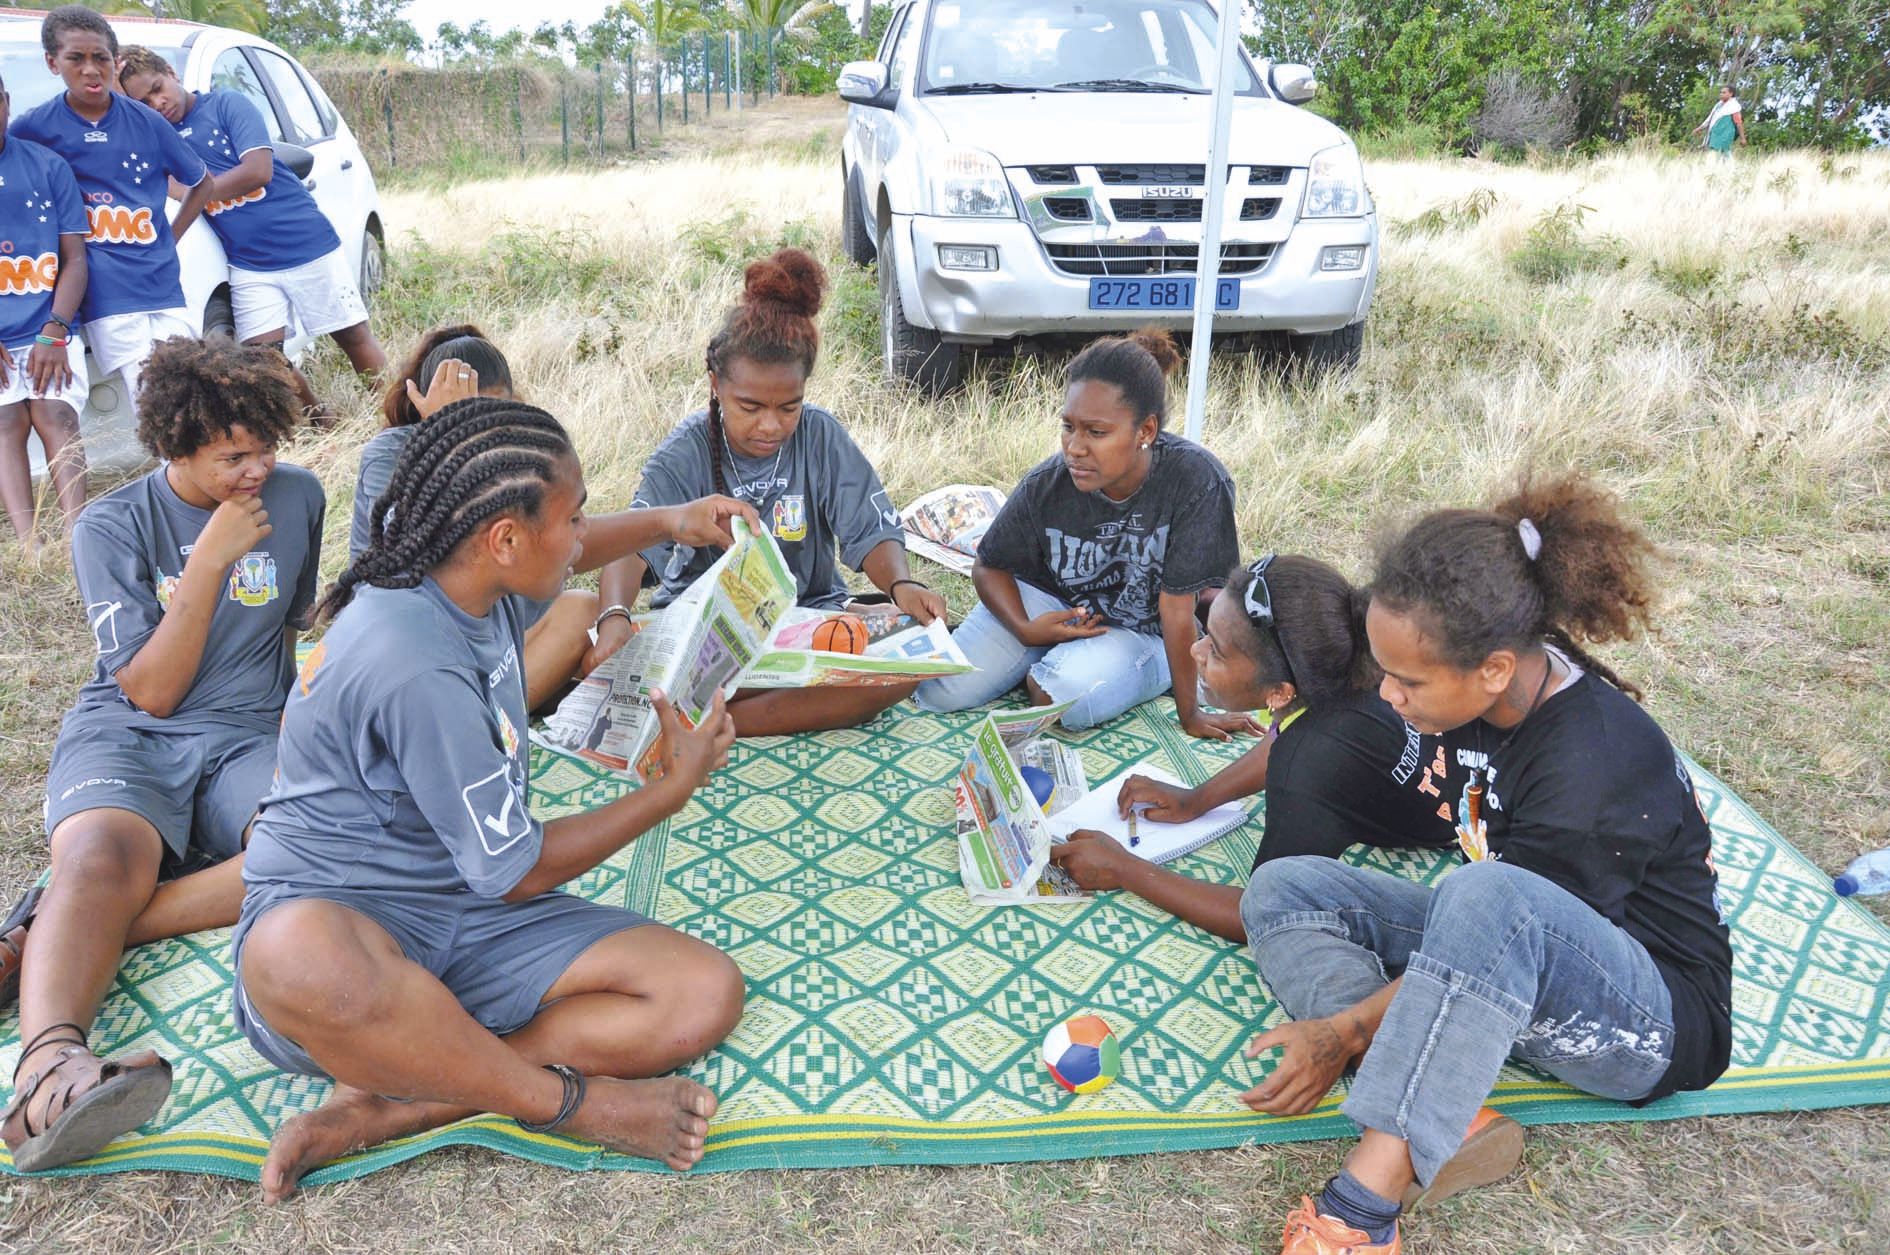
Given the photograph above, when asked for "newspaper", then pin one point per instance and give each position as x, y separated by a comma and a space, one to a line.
947, 523
1003, 838
736, 626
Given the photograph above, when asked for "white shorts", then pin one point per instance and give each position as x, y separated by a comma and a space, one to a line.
320, 295
121, 340
19, 387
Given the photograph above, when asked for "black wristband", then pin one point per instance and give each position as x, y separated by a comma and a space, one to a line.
573, 1099
894, 588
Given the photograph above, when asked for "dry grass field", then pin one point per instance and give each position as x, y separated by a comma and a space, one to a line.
1713, 341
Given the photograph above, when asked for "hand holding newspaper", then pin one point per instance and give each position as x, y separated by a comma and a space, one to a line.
737, 626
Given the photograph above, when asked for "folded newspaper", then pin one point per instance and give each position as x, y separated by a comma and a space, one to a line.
947, 523
1004, 838
736, 627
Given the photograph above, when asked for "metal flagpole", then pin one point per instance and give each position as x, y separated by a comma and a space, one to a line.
1208, 262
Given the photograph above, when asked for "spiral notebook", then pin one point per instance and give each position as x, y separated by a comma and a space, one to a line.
1159, 842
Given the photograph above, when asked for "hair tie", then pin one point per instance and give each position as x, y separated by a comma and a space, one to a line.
1531, 538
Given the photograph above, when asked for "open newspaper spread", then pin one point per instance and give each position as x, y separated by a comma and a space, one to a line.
736, 627
1004, 838
947, 523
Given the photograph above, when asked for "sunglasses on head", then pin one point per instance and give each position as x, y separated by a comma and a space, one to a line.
1259, 606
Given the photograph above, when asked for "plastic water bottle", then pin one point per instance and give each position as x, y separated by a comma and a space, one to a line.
1866, 875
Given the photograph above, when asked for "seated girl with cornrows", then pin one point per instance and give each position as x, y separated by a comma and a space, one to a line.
1338, 766
1584, 937
760, 442
1088, 578
403, 932
452, 363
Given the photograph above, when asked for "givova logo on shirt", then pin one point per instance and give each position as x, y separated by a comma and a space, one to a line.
119, 224
28, 276
253, 580
216, 207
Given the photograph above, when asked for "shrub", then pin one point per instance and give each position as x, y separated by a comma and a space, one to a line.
1555, 249
1517, 116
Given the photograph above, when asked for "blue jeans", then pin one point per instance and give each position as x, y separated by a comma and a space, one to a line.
1102, 675
1497, 963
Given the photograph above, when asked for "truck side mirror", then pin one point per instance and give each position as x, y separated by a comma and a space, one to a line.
1292, 83
864, 83
299, 159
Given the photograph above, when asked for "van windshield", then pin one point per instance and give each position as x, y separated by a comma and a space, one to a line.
993, 46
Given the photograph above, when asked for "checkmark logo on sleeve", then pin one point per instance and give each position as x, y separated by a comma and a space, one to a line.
497, 811
503, 821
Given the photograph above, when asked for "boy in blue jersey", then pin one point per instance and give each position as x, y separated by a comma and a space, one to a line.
195, 579
42, 363
286, 261
123, 156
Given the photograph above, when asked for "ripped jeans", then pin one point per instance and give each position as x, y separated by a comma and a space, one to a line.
1102, 675
1498, 963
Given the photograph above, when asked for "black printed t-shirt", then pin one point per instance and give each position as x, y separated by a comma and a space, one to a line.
1175, 534
1592, 796
1351, 772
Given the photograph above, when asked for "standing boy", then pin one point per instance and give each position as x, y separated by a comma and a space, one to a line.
42, 363
285, 258
195, 579
123, 156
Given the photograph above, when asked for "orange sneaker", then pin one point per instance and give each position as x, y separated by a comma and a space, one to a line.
1492, 1147
1309, 1233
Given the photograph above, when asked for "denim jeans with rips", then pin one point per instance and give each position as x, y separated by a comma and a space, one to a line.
1497, 963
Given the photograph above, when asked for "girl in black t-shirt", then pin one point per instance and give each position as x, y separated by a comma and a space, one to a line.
1088, 578
1583, 938
1337, 766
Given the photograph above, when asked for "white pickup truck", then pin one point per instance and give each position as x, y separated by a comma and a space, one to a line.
1037, 167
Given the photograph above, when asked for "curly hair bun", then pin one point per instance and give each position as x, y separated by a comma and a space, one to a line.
1159, 345
791, 279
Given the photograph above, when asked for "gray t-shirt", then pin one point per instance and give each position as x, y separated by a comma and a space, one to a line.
402, 763
378, 457
1175, 534
128, 552
818, 492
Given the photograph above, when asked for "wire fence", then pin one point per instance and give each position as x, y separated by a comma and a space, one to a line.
412, 118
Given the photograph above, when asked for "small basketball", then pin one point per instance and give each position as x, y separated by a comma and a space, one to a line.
842, 634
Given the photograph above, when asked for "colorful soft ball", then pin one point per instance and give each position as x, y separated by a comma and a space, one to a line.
1082, 1054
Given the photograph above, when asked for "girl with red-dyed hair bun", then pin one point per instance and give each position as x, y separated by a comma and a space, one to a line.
760, 442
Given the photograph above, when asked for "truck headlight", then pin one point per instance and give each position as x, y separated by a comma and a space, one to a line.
1335, 184
969, 183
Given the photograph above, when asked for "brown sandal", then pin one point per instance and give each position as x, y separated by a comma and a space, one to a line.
13, 944
84, 1117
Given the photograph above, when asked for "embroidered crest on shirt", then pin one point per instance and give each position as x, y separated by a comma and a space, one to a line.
790, 518
253, 580
166, 588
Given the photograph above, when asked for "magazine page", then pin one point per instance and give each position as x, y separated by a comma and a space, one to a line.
1003, 837
946, 524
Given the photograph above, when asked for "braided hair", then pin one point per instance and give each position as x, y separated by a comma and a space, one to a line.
773, 323
473, 461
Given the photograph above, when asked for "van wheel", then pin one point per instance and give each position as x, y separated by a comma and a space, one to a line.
218, 318
1331, 350
916, 354
855, 238
373, 265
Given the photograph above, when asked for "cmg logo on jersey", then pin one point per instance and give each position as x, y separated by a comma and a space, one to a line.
119, 224
216, 207
28, 276
253, 580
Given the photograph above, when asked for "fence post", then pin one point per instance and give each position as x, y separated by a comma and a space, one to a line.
771, 63
682, 64
600, 110
387, 112
630, 90
518, 109
708, 75
658, 84
728, 63
564, 115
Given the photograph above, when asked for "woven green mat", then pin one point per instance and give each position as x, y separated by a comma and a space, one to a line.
890, 1021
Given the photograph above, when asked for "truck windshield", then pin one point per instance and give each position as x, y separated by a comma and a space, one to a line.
979, 46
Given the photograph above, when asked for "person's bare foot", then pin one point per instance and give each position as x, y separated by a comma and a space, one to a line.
664, 1118
351, 1120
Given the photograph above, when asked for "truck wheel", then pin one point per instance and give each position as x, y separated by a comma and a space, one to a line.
1331, 350
373, 266
855, 237
916, 354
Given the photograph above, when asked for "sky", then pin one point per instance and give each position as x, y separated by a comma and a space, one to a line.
503, 15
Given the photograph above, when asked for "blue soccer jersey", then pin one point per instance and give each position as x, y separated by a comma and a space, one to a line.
40, 200
275, 227
122, 163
